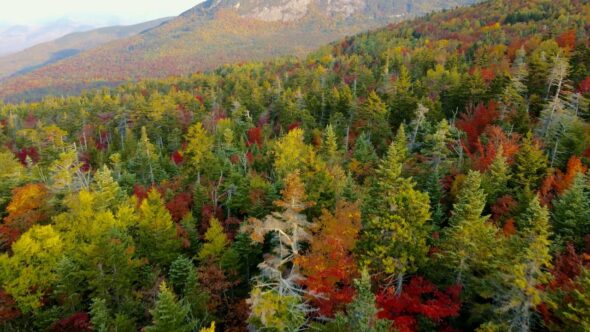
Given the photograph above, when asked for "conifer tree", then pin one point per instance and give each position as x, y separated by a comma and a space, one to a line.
470, 245
157, 238
571, 213
216, 242
495, 179
527, 274
169, 315
394, 239
530, 165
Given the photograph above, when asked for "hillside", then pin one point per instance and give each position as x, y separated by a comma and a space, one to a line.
50, 52
214, 33
430, 175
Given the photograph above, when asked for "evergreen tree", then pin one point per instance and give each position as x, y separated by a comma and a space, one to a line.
169, 315
216, 242
361, 313
571, 213
156, 236
527, 274
530, 165
495, 179
470, 246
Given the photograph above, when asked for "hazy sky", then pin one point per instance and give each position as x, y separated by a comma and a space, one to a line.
125, 11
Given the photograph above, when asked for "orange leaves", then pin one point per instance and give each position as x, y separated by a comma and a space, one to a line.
567, 39
28, 207
329, 265
558, 182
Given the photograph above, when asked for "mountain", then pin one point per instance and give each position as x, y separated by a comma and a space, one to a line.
46, 53
16, 38
213, 33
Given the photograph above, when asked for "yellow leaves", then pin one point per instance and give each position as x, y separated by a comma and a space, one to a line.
199, 146
216, 242
291, 152
30, 271
209, 329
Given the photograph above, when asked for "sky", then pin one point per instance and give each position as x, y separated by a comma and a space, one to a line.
30, 12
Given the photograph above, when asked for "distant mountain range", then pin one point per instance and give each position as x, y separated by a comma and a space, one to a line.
47, 53
15, 38
212, 33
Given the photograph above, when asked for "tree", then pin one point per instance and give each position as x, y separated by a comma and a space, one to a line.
408, 308
495, 180
361, 313
199, 148
571, 214
291, 152
394, 240
106, 188
216, 242
170, 315
12, 173
530, 165
328, 266
28, 207
31, 270
470, 245
572, 306
156, 238
527, 274
277, 288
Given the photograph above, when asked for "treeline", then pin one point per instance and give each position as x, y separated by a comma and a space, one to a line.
428, 176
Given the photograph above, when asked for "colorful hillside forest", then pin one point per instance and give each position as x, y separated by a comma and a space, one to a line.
429, 176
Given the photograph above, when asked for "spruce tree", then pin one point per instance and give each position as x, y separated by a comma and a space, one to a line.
530, 165
571, 213
169, 315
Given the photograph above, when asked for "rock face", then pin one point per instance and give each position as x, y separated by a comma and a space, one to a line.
293, 10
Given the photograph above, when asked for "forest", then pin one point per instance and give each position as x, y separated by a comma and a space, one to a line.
431, 175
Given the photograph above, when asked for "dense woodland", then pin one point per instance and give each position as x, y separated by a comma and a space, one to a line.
429, 176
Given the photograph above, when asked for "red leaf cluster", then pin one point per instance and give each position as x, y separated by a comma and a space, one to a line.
30, 152
567, 39
419, 298
475, 122
78, 322
558, 182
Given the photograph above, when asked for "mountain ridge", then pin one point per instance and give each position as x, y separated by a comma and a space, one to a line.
211, 34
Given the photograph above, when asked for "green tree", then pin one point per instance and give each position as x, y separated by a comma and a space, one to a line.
156, 237
394, 238
216, 242
170, 315
199, 148
571, 213
495, 179
361, 313
527, 274
530, 165
470, 246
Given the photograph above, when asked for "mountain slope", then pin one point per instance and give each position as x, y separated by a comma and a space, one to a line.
67, 46
214, 33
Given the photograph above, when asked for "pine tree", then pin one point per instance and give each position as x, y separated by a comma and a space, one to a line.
169, 315
571, 213
572, 307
